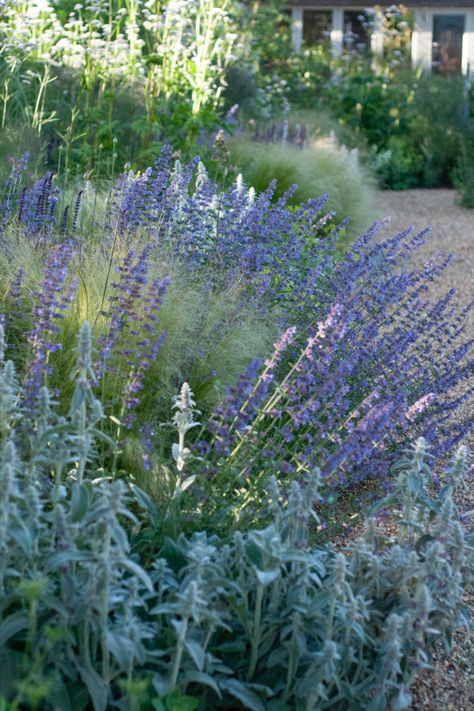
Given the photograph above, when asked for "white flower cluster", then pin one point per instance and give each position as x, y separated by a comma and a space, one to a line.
27, 29
190, 42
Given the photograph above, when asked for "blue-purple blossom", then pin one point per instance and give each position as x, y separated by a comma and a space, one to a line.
54, 295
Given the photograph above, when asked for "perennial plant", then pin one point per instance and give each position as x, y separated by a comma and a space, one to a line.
366, 360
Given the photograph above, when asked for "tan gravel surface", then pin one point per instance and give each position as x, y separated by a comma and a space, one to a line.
449, 685
453, 232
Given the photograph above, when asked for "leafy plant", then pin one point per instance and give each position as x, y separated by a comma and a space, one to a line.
464, 175
260, 620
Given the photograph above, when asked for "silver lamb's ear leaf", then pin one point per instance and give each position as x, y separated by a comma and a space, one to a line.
175, 451
414, 483
188, 482
80, 499
196, 652
246, 696
96, 686
118, 648
97, 434
59, 558
387, 502
59, 696
198, 677
266, 577
11, 625
139, 572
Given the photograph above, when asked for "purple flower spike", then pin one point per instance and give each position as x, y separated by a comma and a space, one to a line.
55, 294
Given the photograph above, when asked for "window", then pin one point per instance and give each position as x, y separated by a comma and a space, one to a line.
448, 31
316, 26
355, 31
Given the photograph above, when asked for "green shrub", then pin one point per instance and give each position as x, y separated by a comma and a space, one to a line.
398, 165
260, 621
464, 174
413, 122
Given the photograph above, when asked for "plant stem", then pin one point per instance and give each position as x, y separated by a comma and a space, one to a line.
257, 631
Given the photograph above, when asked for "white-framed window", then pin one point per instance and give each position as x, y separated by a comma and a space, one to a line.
448, 32
355, 30
316, 26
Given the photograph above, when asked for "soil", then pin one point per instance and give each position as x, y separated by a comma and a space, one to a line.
449, 684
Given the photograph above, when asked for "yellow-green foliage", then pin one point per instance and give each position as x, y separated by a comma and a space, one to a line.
315, 170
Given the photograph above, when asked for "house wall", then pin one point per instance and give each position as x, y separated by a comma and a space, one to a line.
422, 38
468, 45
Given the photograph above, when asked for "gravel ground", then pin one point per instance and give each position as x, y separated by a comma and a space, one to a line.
453, 232
449, 685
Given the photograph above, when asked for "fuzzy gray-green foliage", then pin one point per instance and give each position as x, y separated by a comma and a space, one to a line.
262, 619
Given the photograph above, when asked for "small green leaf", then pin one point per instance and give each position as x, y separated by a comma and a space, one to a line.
196, 652
80, 499
414, 484
96, 686
176, 701
139, 572
197, 677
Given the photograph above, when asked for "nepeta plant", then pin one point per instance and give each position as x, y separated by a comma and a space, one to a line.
365, 358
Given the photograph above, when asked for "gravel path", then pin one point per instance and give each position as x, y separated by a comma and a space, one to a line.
449, 685
453, 232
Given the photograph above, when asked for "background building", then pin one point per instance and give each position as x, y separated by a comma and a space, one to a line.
443, 32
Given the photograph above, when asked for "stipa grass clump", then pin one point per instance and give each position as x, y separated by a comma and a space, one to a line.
315, 170
260, 620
